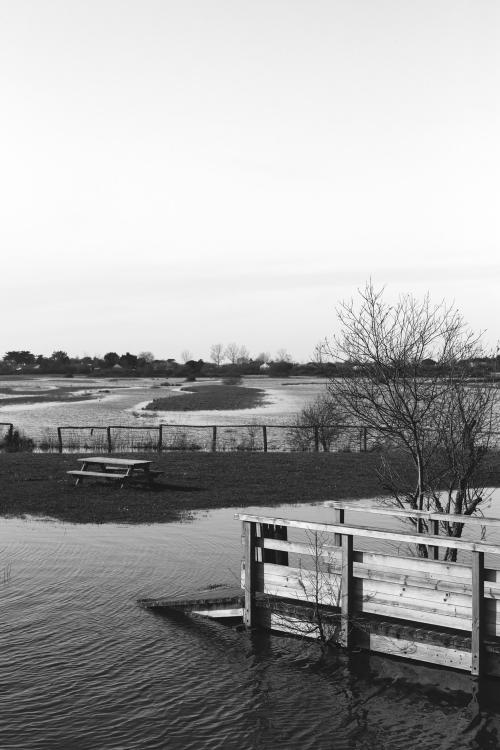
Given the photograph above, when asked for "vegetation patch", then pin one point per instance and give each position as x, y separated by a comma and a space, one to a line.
49, 395
37, 484
210, 398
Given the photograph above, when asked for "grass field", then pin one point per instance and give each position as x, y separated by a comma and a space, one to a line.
38, 485
210, 397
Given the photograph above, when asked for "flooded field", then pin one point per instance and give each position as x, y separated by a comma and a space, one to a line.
104, 402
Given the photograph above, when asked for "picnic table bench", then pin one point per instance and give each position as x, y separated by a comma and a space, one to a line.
115, 469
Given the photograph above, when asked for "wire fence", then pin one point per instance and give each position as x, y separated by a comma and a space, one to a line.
205, 438
250, 437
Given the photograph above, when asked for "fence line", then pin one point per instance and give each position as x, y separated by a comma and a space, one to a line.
155, 436
210, 438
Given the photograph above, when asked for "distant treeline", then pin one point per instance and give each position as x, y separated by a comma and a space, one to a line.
145, 364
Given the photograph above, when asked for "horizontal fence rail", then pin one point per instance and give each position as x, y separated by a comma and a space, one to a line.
306, 585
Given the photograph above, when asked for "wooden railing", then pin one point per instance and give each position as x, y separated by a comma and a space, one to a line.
352, 585
434, 519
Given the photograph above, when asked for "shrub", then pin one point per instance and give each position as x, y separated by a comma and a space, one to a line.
16, 441
319, 416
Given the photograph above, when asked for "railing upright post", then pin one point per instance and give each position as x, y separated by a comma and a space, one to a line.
477, 613
347, 591
264, 437
249, 579
214, 439
160, 438
434, 526
59, 440
338, 517
108, 434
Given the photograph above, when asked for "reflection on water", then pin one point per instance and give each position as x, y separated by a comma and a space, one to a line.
82, 665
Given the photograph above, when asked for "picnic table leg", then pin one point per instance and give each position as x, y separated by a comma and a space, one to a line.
83, 468
128, 474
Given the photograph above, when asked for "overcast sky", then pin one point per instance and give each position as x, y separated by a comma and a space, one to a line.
179, 173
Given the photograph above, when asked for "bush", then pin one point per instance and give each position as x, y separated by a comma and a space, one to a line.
320, 416
16, 441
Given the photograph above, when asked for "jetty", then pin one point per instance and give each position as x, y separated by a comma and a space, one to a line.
361, 587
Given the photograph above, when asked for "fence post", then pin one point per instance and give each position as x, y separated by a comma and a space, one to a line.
338, 517
264, 437
365, 439
270, 531
434, 526
214, 439
316, 438
347, 591
477, 613
59, 439
249, 557
160, 438
108, 433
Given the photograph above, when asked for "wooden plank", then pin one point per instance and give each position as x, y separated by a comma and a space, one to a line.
418, 651
98, 474
249, 558
410, 513
477, 613
427, 615
347, 591
112, 460
218, 614
381, 534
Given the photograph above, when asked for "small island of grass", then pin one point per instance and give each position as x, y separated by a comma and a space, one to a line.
210, 398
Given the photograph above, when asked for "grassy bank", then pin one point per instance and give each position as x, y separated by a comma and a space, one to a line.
209, 398
38, 484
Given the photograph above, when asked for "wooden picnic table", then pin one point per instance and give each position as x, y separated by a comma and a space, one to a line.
115, 469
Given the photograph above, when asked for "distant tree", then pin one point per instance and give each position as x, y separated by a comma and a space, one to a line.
243, 356
193, 368
59, 356
147, 357
20, 357
129, 360
283, 356
217, 354
232, 352
111, 359
263, 357
186, 356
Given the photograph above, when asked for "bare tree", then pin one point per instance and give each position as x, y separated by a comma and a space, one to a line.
283, 356
148, 357
441, 421
217, 353
186, 355
319, 418
232, 352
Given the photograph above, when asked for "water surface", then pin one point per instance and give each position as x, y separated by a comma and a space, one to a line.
82, 666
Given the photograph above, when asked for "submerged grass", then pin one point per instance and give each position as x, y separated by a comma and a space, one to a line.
37, 484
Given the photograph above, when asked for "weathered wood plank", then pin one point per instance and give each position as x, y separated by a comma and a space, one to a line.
382, 534
410, 513
477, 613
249, 558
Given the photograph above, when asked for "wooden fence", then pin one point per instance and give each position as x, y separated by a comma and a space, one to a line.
418, 608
